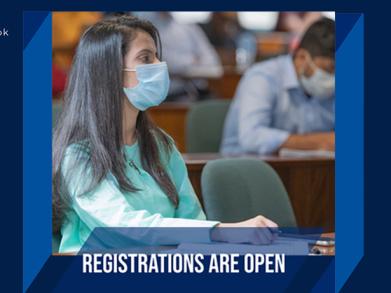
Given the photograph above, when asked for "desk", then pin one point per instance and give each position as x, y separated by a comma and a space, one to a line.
225, 86
308, 181
171, 117
271, 44
222, 81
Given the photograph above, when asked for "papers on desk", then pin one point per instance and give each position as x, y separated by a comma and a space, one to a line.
293, 153
283, 245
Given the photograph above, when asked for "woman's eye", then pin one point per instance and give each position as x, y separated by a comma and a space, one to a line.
146, 59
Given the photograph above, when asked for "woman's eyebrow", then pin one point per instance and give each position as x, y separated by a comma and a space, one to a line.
149, 51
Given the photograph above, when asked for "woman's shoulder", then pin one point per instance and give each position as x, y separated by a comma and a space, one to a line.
166, 144
76, 153
78, 147
163, 139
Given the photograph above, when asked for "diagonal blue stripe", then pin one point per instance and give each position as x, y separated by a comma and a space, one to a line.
344, 26
32, 21
349, 153
37, 151
326, 281
308, 275
51, 273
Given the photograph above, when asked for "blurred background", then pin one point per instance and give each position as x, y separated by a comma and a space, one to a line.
207, 52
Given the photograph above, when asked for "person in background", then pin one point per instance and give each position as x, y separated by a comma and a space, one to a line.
296, 22
66, 30
186, 48
112, 167
287, 101
230, 39
223, 29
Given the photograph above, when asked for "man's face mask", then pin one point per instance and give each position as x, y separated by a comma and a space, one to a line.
320, 85
152, 87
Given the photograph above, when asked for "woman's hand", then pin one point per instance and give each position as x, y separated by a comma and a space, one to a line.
258, 230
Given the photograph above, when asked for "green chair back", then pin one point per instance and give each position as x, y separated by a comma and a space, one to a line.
236, 189
204, 126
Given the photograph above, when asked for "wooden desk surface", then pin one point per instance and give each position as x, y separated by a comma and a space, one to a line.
271, 44
171, 117
225, 86
197, 160
308, 181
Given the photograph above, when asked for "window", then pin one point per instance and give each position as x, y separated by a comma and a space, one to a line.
259, 21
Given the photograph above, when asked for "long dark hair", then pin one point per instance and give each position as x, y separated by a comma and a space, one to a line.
92, 114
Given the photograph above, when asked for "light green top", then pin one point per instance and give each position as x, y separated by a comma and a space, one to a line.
107, 206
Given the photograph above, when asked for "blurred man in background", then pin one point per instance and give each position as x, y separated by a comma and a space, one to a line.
287, 101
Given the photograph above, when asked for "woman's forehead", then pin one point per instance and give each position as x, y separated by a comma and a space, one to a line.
142, 41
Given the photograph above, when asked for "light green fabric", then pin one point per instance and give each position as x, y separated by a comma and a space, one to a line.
236, 189
107, 206
204, 126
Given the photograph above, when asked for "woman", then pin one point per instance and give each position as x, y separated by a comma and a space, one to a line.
111, 166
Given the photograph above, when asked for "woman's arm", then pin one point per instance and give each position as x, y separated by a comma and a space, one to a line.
106, 206
189, 205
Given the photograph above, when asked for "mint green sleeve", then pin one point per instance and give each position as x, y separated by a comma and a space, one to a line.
105, 205
189, 205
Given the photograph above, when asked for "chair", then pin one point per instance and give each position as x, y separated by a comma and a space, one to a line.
236, 189
204, 126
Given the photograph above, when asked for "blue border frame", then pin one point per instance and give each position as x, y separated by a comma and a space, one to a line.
349, 160
37, 133
37, 99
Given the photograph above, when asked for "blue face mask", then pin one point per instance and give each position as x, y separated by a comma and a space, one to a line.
321, 85
152, 87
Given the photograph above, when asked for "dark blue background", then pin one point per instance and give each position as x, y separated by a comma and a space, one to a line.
372, 273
